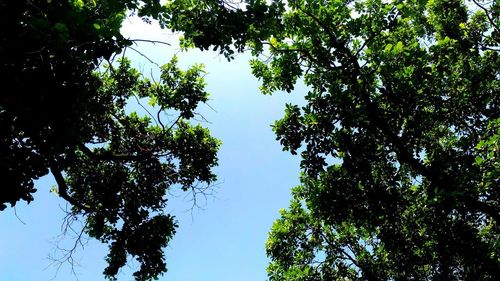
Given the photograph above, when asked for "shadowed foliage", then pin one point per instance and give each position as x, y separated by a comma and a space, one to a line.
67, 115
399, 140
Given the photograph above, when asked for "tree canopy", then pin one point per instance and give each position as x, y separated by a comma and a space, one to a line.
65, 113
398, 139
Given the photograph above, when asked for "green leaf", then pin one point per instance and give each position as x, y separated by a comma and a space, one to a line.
388, 48
398, 48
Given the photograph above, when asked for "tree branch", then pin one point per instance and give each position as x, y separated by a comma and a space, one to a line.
63, 190
487, 15
149, 41
369, 274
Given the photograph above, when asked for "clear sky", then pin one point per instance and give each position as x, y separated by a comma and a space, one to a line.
223, 240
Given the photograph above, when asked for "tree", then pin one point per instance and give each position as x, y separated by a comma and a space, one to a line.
399, 139
65, 114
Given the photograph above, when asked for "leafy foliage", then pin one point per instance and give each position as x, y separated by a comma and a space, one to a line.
399, 136
398, 139
223, 25
68, 114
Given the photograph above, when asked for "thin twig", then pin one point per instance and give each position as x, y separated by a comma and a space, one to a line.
146, 57
15, 213
150, 41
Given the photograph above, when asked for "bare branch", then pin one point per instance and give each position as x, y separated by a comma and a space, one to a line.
150, 41
145, 109
15, 213
144, 56
68, 254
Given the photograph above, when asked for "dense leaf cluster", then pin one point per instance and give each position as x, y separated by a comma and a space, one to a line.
227, 26
398, 140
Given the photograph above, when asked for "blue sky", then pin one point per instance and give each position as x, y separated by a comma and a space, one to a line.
222, 240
